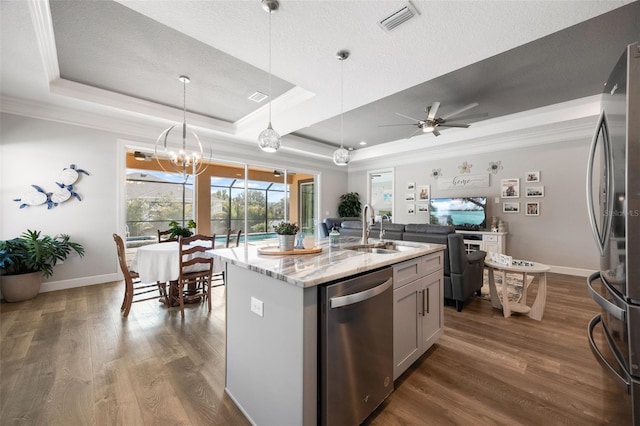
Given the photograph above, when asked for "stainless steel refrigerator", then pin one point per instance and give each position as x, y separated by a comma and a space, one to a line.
613, 198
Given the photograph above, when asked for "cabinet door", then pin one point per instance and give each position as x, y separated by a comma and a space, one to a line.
407, 326
432, 311
492, 246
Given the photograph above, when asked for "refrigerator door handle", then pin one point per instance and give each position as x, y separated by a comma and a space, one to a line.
600, 357
350, 299
601, 236
609, 307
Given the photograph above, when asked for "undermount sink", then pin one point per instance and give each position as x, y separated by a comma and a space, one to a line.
380, 248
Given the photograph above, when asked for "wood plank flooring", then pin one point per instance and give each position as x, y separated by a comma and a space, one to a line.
69, 358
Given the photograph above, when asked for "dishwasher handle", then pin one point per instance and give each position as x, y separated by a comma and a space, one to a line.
350, 299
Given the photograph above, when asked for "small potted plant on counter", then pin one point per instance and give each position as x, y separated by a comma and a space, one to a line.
286, 235
181, 231
25, 260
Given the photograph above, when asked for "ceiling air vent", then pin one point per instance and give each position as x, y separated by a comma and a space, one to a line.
399, 17
258, 97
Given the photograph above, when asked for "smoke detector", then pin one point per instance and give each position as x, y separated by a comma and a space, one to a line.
258, 97
398, 17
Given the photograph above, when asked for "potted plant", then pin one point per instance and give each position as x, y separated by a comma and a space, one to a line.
286, 235
349, 205
25, 260
181, 231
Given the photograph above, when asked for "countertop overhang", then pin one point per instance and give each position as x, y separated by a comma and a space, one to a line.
332, 264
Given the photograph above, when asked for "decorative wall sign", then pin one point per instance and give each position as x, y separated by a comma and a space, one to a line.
65, 181
495, 167
510, 188
533, 177
464, 181
465, 167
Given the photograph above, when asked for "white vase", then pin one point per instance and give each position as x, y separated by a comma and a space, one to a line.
16, 288
286, 242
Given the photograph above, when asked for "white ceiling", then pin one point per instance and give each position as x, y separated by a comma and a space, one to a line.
97, 61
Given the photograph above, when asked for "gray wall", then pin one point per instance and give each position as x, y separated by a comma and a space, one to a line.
560, 236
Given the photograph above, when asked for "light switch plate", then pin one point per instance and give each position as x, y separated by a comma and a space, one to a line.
257, 306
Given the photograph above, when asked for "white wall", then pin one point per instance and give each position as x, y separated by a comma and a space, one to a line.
560, 236
34, 151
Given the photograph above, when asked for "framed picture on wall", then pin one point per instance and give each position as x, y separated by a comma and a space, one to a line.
411, 209
511, 207
510, 188
410, 196
533, 176
423, 207
424, 192
411, 186
532, 209
535, 191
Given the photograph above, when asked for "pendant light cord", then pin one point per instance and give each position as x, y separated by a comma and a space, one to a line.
342, 103
270, 97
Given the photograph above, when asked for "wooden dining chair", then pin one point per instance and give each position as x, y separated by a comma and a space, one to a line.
196, 268
232, 235
133, 287
163, 236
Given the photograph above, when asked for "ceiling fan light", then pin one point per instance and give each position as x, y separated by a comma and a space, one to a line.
428, 129
341, 157
269, 140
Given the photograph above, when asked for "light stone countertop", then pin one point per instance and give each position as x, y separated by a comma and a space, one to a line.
308, 270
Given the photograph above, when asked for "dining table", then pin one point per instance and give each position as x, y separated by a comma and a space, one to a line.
160, 262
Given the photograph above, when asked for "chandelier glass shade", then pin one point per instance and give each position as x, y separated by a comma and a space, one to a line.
178, 149
269, 139
341, 156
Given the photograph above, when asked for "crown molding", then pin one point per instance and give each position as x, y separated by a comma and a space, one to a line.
43, 28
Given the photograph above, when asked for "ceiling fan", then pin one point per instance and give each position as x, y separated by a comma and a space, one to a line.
431, 123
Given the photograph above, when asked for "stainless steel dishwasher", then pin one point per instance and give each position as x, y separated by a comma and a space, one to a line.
356, 347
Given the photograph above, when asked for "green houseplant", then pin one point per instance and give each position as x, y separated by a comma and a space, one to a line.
181, 231
25, 260
286, 235
349, 205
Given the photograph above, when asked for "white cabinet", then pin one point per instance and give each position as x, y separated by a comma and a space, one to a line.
417, 310
485, 241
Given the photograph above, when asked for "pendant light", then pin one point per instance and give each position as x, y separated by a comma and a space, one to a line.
269, 139
189, 158
341, 155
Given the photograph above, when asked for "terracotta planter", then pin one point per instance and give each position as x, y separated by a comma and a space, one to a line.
16, 288
286, 242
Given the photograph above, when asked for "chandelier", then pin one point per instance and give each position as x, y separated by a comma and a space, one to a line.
269, 139
341, 156
188, 159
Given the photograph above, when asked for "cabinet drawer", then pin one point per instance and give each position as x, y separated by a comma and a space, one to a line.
490, 237
411, 270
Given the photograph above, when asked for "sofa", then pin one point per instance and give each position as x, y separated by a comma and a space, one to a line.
463, 272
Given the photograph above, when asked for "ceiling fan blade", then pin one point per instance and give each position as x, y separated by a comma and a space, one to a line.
414, 133
406, 116
466, 117
453, 125
390, 125
463, 109
436, 132
433, 109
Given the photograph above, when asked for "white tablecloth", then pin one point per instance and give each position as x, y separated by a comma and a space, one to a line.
160, 262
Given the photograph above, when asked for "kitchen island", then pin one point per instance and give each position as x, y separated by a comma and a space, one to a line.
273, 322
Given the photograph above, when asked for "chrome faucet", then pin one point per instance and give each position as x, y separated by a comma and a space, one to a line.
366, 227
382, 219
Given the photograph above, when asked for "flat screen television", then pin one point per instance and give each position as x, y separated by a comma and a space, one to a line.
468, 213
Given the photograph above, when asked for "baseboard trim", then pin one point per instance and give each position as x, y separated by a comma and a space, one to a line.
578, 272
78, 282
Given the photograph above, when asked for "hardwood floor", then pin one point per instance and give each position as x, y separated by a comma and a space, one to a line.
69, 358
